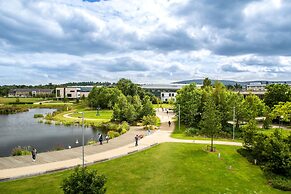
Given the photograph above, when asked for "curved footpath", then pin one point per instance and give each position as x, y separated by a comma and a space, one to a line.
21, 166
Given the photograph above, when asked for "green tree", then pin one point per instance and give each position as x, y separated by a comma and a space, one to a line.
189, 98
103, 97
206, 82
211, 120
282, 111
83, 180
277, 93
249, 132
253, 106
148, 108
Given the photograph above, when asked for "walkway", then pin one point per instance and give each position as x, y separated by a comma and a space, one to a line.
20, 166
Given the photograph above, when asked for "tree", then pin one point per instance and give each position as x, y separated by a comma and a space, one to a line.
282, 111
123, 110
103, 97
206, 82
83, 180
211, 120
277, 93
253, 106
189, 98
249, 132
147, 107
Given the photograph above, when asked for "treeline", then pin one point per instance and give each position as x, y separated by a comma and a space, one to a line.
4, 90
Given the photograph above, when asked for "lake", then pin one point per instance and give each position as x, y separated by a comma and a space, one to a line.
22, 129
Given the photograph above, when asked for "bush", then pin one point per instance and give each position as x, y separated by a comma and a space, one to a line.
20, 151
91, 142
48, 122
279, 182
83, 180
37, 115
58, 148
150, 120
191, 131
113, 134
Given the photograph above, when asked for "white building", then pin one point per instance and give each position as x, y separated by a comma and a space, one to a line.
256, 86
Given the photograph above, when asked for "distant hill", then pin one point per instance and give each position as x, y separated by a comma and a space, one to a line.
231, 82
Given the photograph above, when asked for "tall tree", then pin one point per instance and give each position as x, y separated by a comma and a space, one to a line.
189, 98
211, 120
254, 107
206, 82
277, 93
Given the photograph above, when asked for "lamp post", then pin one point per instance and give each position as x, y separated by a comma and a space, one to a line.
233, 120
179, 117
83, 161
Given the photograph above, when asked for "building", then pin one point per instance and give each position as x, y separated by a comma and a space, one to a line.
256, 86
164, 91
30, 92
73, 92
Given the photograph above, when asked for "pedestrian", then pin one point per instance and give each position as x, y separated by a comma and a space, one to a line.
107, 137
169, 123
149, 131
136, 140
100, 139
33, 154
167, 111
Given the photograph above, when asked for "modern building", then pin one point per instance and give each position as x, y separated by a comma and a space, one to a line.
30, 92
73, 92
256, 86
164, 91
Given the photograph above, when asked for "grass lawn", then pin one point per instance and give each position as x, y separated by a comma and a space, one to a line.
166, 168
91, 114
285, 132
7, 100
179, 134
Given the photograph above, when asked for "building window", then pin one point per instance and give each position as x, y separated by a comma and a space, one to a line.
162, 94
58, 93
69, 95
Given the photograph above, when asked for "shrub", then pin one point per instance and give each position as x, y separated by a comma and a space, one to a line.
279, 182
91, 142
40, 121
191, 131
150, 120
48, 122
113, 134
58, 123
58, 148
20, 151
37, 115
83, 180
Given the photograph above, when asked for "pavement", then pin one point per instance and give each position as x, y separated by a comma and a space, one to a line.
22, 166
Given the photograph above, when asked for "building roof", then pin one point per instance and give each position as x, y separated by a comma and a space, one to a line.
31, 90
163, 86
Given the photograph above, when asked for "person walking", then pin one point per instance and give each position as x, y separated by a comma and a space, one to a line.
107, 137
100, 139
169, 123
33, 154
136, 140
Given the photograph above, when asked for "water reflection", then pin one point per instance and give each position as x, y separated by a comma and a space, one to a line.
23, 130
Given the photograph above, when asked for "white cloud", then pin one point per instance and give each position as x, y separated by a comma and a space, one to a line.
147, 41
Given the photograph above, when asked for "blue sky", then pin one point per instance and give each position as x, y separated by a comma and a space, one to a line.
152, 41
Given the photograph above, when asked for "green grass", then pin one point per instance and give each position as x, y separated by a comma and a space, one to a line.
7, 100
166, 168
179, 134
103, 114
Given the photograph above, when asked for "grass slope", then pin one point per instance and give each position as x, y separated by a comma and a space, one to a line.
166, 168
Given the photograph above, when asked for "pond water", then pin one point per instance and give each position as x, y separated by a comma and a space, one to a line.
22, 129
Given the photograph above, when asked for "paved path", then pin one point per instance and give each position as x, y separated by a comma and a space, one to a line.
20, 166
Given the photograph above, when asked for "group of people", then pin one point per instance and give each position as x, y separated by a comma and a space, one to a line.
100, 138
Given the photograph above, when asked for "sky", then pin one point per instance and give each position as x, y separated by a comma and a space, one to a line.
152, 41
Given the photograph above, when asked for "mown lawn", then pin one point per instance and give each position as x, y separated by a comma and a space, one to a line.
166, 168
92, 114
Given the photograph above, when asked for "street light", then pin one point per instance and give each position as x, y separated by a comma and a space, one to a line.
179, 117
83, 163
98, 108
233, 122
